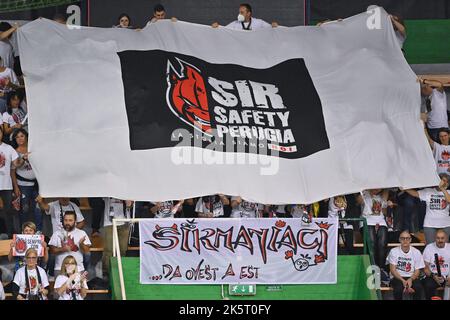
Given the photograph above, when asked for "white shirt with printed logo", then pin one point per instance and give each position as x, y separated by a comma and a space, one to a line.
62, 279
7, 155
115, 208
443, 256
167, 209
216, 209
246, 209
19, 279
372, 209
61, 238
406, 263
437, 213
441, 155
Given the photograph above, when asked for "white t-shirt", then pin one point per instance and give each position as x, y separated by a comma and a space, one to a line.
167, 209
335, 211
25, 171
19, 279
437, 212
406, 263
6, 52
210, 204
246, 209
115, 208
255, 23
17, 116
61, 238
441, 155
7, 156
56, 211
437, 117
67, 295
443, 256
372, 209
7, 73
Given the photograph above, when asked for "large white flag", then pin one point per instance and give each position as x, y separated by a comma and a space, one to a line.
178, 110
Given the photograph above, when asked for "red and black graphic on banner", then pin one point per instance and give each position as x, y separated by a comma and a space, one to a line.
260, 110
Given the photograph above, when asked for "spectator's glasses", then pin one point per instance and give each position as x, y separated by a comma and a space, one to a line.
405, 238
68, 263
123, 20
31, 258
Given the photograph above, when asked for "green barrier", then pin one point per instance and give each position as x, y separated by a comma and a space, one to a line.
21, 5
427, 41
351, 283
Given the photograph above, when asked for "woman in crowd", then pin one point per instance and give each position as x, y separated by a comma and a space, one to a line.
25, 181
123, 21
15, 115
30, 282
70, 284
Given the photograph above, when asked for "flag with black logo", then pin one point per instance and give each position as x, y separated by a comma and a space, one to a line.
180, 110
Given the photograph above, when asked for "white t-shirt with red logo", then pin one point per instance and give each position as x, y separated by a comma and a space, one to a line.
246, 209
441, 155
61, 238
443, 258
7, 155
437, 212
372, 209
406, 263
210, 204
21, 281
168, 209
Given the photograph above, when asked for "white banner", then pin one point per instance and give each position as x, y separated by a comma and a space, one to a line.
320, 111
231, 251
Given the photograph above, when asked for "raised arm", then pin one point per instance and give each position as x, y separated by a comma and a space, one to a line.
435, 83
430, 141
7, 33
400, 27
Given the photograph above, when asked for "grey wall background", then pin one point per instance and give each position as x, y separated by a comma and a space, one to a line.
104, 13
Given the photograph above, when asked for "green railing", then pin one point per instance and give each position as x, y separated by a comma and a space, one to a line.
367, 244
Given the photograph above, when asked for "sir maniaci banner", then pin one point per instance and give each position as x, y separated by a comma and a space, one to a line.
227, 251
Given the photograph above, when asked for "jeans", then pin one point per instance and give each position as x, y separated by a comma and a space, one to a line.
430, 233
409, 211
379, 243
28, 209
8, 214
398, 288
